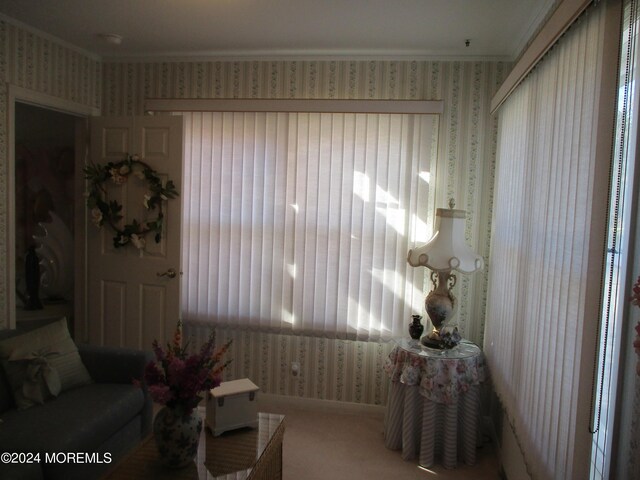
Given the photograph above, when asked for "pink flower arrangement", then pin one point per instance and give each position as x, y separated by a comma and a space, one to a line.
635, 300
176, 379
635, 295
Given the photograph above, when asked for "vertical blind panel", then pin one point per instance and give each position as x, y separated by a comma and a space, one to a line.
539, 257
302, 222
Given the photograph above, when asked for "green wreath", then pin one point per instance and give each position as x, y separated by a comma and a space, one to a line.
109, 212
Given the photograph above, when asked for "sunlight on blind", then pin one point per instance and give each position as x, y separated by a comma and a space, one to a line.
302, 222
540, 258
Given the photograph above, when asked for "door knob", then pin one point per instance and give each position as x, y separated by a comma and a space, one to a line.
171, 273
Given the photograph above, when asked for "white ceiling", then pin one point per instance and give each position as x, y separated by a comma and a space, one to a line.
304, 28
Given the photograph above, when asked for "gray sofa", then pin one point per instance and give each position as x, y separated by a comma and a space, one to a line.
101, 421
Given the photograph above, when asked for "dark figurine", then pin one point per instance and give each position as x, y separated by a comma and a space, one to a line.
416, 328
32, 276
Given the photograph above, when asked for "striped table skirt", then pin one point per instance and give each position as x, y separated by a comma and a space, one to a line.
428, 430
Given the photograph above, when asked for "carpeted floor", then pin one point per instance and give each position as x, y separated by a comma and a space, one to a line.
325, 442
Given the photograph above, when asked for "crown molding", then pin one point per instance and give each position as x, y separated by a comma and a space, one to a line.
311, 56
48, 36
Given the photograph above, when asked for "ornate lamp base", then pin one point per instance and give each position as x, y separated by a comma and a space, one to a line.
439, 305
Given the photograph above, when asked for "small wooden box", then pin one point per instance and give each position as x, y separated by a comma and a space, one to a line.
232, 405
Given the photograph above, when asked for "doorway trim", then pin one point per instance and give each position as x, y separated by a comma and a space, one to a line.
43, 100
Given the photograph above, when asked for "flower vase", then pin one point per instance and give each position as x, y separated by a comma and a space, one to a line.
416, 328
177, 435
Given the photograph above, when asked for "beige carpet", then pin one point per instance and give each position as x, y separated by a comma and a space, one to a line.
325, 442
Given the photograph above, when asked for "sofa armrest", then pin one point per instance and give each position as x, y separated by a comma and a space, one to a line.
113, 364
120, 365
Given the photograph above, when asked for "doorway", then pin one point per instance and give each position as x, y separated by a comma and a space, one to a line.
36, 120
45, 199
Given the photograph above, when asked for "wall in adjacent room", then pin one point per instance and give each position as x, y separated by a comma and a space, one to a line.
44, 192
39, 63
335, 369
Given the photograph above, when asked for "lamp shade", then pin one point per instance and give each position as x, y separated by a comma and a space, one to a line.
447, 249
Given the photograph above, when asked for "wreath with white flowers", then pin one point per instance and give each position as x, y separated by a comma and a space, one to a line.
105, 211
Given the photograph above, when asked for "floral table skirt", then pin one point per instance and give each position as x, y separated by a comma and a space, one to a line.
433, 408
442, 376
429, 430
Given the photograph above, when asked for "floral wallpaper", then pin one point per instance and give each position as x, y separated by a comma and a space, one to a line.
36, 62
466, 156
330, 369
333, 369
339, 370
466, 147
41, 64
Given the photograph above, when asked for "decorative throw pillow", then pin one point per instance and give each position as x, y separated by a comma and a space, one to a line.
42, 363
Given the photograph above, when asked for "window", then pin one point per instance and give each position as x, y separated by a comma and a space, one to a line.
618, 263
549, 218
301, 222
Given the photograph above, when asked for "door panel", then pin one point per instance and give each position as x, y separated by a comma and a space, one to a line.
115, 143
155, 142
153, 299
149, 307
113, 305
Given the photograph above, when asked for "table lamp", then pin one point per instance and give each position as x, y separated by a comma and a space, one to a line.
445, 252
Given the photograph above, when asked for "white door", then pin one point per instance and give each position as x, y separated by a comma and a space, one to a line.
132, 295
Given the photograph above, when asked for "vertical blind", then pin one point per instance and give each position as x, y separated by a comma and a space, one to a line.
540, 259
302, 222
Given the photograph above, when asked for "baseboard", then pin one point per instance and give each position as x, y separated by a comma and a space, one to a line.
511, 457
489, 428
329, 406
